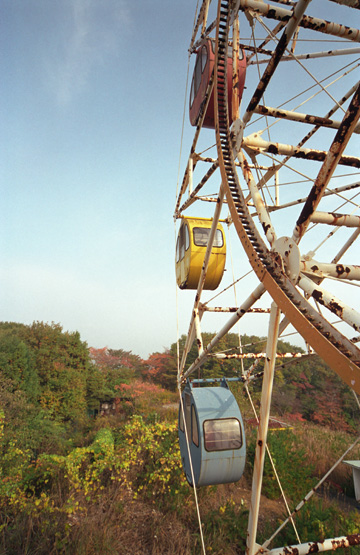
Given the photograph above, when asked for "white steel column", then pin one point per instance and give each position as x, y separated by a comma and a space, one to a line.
266, 393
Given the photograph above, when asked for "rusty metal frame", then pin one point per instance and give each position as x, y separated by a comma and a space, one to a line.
314, 23
268, 263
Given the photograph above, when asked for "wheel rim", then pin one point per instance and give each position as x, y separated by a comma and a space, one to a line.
259, 219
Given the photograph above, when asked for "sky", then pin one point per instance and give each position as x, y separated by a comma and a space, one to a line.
92, 97
91, 105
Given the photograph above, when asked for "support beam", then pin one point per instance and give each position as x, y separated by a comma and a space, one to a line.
301, 118
308, 22
258, 145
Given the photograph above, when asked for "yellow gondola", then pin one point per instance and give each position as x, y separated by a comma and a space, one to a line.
191, 246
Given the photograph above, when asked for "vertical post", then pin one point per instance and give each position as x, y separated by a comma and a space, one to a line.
266, 393
191, 168
198, 331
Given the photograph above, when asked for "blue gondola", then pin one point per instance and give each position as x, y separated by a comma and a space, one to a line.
216, 435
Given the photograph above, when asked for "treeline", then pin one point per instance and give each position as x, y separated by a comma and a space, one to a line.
51, 382
305, 388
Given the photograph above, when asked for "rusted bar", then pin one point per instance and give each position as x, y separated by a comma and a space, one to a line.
299, 117
185, 180
224, 356
257, 144
191, 172
201, 20
266, 393
209, 199
242, 310
346, 220
351, 3
322, 270
293, 22
234, 309
199, 340
257, 199
332, 111
235, 74
308, 22
327, 193
317, 547
346, 246
333, 157
198, 188
200, 158
323, 297
260, 49
336, 106
314, 55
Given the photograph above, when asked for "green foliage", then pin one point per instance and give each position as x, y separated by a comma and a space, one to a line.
43, 383
85, 469
17, 363
290, 460
151, 461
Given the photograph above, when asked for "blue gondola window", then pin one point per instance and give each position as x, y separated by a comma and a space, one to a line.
222, 434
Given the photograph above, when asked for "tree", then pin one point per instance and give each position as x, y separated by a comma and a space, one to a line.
17, 363
162, 369
51, 366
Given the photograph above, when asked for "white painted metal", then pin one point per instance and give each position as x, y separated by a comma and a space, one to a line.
346, 220
346, 313
266, 392
314, 547
323, 26
322, 270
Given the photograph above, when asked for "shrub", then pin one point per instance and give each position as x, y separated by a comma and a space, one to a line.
291, 463
151, 461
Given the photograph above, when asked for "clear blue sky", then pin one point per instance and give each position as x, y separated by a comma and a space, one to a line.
91, 101
91, 108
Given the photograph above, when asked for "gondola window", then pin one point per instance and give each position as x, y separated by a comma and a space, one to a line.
222, 434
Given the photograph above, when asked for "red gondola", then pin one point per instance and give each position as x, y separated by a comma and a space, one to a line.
204, 66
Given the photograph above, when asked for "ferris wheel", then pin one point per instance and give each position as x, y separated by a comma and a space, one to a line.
275, 158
